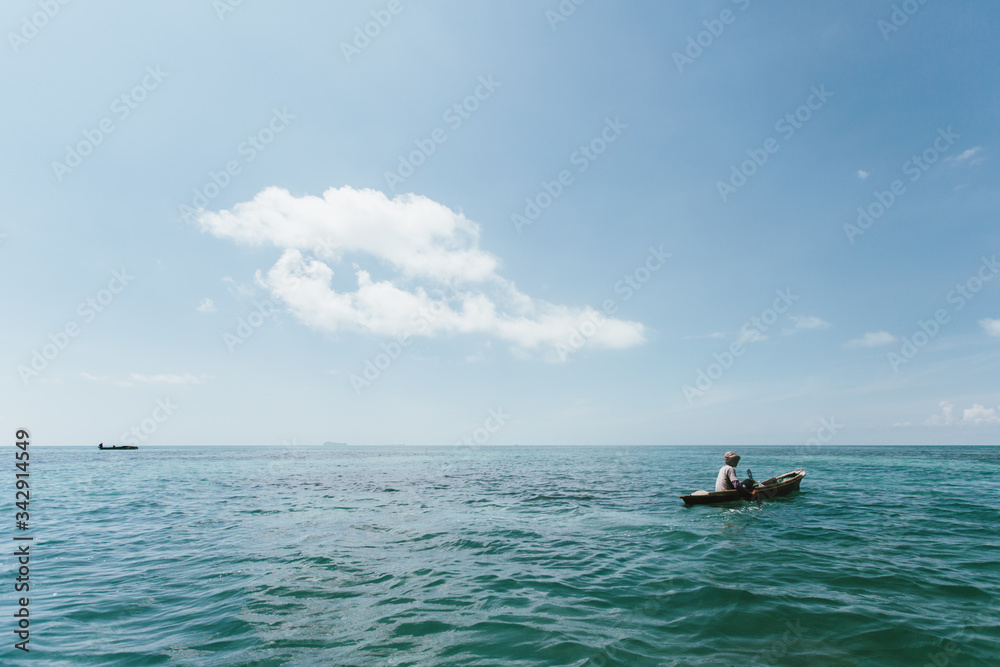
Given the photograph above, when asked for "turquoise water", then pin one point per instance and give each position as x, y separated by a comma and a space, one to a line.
509, 556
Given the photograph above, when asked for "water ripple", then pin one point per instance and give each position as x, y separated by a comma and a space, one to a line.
527, 556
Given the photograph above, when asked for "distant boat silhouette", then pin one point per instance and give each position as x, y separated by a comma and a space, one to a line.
101, 446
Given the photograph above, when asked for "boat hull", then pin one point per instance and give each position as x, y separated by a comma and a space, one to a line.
769, 488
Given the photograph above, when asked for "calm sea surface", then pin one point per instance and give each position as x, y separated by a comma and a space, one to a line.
508, 556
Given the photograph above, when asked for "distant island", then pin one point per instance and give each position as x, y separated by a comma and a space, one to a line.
334, 444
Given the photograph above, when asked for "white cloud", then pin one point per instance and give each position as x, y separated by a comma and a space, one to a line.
804, 322
417, 236
872, 339
862, 174
975, 416
991, 326
965, 155
429, 246
978, 414
945, 418
206, 306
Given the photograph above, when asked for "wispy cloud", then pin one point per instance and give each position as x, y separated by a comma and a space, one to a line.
991, 326
239, 290
872, 339
946, 418
967, 155
714, 334
480, 354
110, 380
862, 174
750, 335
134, 378
804, 323
170, 378
206, 306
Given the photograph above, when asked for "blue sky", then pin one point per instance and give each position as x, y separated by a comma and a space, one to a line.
289, 231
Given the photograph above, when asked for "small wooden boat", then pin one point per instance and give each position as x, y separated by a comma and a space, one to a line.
769, 488
101, 446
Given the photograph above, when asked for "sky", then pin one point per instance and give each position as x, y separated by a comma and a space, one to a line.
721, 223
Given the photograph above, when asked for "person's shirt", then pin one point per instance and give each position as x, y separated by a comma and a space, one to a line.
727, 480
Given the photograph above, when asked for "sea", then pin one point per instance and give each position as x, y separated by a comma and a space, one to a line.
528, 556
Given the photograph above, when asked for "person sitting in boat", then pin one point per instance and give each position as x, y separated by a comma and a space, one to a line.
727, 480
